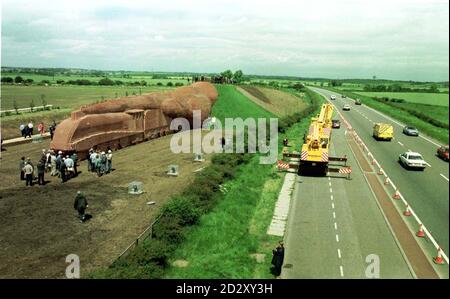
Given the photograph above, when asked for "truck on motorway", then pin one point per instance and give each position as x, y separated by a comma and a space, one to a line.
383, 131
333, 97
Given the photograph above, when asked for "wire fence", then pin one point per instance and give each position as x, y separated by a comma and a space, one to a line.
148, 232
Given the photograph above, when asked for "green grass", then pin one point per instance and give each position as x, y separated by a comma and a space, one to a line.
438, 99
37, 78
441, 134
223, 243
64, 96
232, 104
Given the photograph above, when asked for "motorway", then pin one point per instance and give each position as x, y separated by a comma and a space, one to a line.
335, 226
427, 192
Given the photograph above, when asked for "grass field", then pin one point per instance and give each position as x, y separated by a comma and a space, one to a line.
440, 134
231, 103
228, 239
276, 101
65, 96
132, 78
439, 99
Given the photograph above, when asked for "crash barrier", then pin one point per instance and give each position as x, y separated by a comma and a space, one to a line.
344, 170
396, 194
143, 236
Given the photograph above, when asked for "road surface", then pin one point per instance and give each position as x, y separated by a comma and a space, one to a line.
427, 192
335, 227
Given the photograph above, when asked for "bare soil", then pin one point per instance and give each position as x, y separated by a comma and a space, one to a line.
39, 227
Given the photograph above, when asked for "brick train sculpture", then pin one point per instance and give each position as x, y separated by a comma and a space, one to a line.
125, 121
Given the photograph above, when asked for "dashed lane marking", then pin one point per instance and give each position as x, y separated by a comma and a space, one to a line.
332, 197
334, 215
337, 238
445, 178
332, 205
335, 226
331, 190
342, 271
339, 253
400, 143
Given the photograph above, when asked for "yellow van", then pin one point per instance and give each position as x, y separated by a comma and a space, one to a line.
383, 131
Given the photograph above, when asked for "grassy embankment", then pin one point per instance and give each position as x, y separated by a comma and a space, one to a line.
418, 115
64, 98
231, 225
229, 240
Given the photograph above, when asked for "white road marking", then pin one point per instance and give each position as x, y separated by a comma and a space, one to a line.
334, 215
332, 197
331, 190
337, 238
332, 205
339, 253
329, 178
335, 226
429, 165
329, 184
342, 271
445, 178
400, 143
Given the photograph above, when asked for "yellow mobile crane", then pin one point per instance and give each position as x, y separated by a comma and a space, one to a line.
314, 155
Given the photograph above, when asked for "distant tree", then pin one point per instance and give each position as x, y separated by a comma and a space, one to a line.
170, 84
29, 81
335, 83
159, 84
45, 82
179, 84
60, 81
7, 80
433, 88
144, 83
298, 86
228, 75
126, 93
105, 81
238, 76
18, 79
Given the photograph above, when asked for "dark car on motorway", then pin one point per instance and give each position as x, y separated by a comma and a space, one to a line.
344, 96
357, 102
336, 123
410, 131
442, 152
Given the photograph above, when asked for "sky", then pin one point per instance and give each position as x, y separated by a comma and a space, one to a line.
395, 39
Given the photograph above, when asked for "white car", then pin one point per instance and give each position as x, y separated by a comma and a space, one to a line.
412, 160
333, 97
346, 107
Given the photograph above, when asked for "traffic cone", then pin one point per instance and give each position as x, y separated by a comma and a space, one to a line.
380, 172
386, 181
420, 233
439, 260
396, 195
407, 212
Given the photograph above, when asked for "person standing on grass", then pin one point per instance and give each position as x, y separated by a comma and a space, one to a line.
74, 158
58, 162
30, 129
28, 170
22, 130
109, 161
98, 164
69, 166
53, 163
62, 170
41, 128
93, 161
80, 205
278, 258
89, 159
52, 130
41, 172
21, 166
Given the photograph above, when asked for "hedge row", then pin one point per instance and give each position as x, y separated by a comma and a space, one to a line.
418, 114
150, 258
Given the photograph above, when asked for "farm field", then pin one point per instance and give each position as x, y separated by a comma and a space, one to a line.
39, 227
278, 102
231, 103
129, 79
439, 99
65, 96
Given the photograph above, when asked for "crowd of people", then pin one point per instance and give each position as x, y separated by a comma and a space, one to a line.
100, 162
64, 167
27, 130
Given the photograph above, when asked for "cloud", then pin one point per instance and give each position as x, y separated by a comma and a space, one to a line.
396, 39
